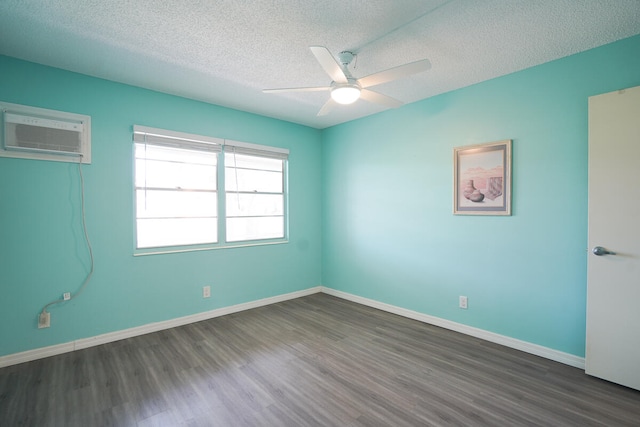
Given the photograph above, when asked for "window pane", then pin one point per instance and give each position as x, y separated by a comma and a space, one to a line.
252, 162
239, 229
243, 204
170, 218
162, 174
167, 204
251, 180
176, 231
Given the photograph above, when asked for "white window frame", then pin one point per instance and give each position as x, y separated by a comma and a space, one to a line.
142, 134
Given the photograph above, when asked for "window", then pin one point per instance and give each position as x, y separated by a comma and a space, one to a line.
195, 190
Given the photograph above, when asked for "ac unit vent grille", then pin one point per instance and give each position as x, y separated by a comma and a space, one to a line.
46, 139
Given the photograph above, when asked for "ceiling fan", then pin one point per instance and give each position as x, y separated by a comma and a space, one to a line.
346, 89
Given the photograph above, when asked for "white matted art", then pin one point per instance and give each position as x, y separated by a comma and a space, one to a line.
482, 179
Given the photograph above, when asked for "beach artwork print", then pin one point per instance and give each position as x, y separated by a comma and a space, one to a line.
482, 179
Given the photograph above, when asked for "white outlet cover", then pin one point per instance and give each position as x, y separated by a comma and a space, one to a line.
463, 302
44, 320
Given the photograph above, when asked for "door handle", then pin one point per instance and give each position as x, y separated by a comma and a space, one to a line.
599, 251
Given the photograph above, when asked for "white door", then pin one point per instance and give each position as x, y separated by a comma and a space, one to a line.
613, 281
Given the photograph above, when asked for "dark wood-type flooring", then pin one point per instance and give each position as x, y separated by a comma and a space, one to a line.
313, 361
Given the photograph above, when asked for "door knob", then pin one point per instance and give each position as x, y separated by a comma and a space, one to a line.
599, 250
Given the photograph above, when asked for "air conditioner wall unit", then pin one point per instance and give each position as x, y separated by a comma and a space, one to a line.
37, 133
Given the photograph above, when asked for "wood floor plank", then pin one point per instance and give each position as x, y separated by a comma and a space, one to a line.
313, 361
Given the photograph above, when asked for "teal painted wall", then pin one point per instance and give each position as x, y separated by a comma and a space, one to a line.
388, 229
42, 250
383, 228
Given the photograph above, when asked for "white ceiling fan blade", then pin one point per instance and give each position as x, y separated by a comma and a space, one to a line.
327, 107
297, 89
395, 73
329, 63
378, 98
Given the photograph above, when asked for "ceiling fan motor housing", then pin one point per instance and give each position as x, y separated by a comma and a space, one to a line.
346, 57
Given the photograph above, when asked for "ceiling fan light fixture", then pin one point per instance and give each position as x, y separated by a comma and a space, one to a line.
345, 94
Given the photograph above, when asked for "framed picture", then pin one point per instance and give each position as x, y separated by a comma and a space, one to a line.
482, 179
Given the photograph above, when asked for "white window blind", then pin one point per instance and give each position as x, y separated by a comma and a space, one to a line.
256, 150
172, 139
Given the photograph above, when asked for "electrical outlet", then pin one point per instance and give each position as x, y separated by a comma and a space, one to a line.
462, 302
66, 296
44, 320
206, 291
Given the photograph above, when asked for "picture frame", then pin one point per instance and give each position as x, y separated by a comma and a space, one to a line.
482, 179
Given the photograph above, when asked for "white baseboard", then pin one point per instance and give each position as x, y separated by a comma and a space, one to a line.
40, 353
35, 354
527, 347
538, 350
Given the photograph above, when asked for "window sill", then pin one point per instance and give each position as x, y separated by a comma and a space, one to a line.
181, 249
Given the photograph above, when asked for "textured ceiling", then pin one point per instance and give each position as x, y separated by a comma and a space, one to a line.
225, 52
